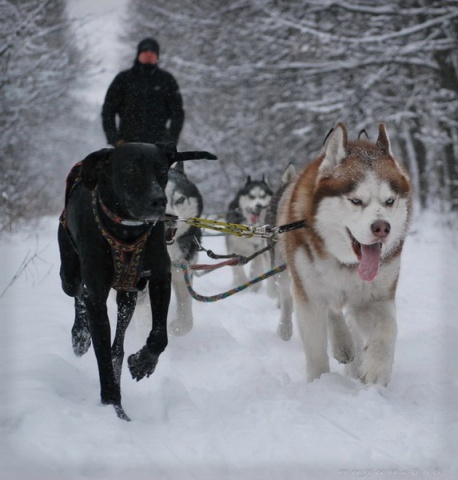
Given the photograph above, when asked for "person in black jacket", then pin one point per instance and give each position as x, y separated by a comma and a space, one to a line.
143, 104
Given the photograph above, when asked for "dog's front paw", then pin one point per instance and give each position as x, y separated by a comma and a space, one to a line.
141, 364
344, 352
81, 340
377, 363
377, 373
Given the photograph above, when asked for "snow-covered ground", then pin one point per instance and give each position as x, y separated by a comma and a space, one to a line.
229, 400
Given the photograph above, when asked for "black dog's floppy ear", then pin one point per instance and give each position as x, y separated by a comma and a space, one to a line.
93, 165
183, 156
170, 149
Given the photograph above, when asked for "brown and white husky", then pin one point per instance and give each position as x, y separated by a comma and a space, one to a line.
344, 265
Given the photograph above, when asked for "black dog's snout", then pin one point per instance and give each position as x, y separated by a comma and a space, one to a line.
159, 202
157, 197
381, 229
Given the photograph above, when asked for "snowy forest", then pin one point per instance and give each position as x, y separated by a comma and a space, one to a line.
263, 81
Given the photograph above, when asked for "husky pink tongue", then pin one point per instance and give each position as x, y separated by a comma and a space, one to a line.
370, 261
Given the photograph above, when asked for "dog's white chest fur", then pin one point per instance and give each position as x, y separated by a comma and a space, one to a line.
337, 286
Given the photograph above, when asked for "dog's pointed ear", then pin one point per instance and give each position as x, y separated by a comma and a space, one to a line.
265, 180
383, 142
93, 166
289, 174
335, 148
179, 167
363, 135
248, 180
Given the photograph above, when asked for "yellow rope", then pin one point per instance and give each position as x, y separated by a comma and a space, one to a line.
237, 229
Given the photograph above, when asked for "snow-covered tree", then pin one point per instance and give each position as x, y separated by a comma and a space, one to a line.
38, 67
264, 80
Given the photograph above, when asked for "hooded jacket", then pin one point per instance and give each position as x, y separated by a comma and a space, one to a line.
148, 104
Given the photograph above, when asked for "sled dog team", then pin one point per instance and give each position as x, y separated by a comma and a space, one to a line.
343, 265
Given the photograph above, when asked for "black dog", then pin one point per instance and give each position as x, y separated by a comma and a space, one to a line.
111, 236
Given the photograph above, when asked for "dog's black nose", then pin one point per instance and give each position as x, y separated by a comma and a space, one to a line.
381, 229
159, 202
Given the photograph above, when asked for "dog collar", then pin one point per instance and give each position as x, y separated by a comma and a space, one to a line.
116, 218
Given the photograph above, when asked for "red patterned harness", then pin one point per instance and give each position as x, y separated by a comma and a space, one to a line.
127, 257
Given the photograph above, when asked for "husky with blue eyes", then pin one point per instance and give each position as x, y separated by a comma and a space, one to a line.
344, 264
184, 201
248, 207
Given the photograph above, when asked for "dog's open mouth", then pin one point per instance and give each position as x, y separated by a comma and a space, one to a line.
369, 258
254, 218
170, 234
170, 228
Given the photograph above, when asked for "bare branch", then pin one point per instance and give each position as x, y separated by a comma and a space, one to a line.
29, 261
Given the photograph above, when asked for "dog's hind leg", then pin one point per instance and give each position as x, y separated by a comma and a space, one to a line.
255, 271
268, 259
240, 277
343, 348
70, 274
183, 324
126, 305
285, 325
143, 363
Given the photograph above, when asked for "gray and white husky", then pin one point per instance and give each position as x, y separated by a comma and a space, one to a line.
248, 208
183, 200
